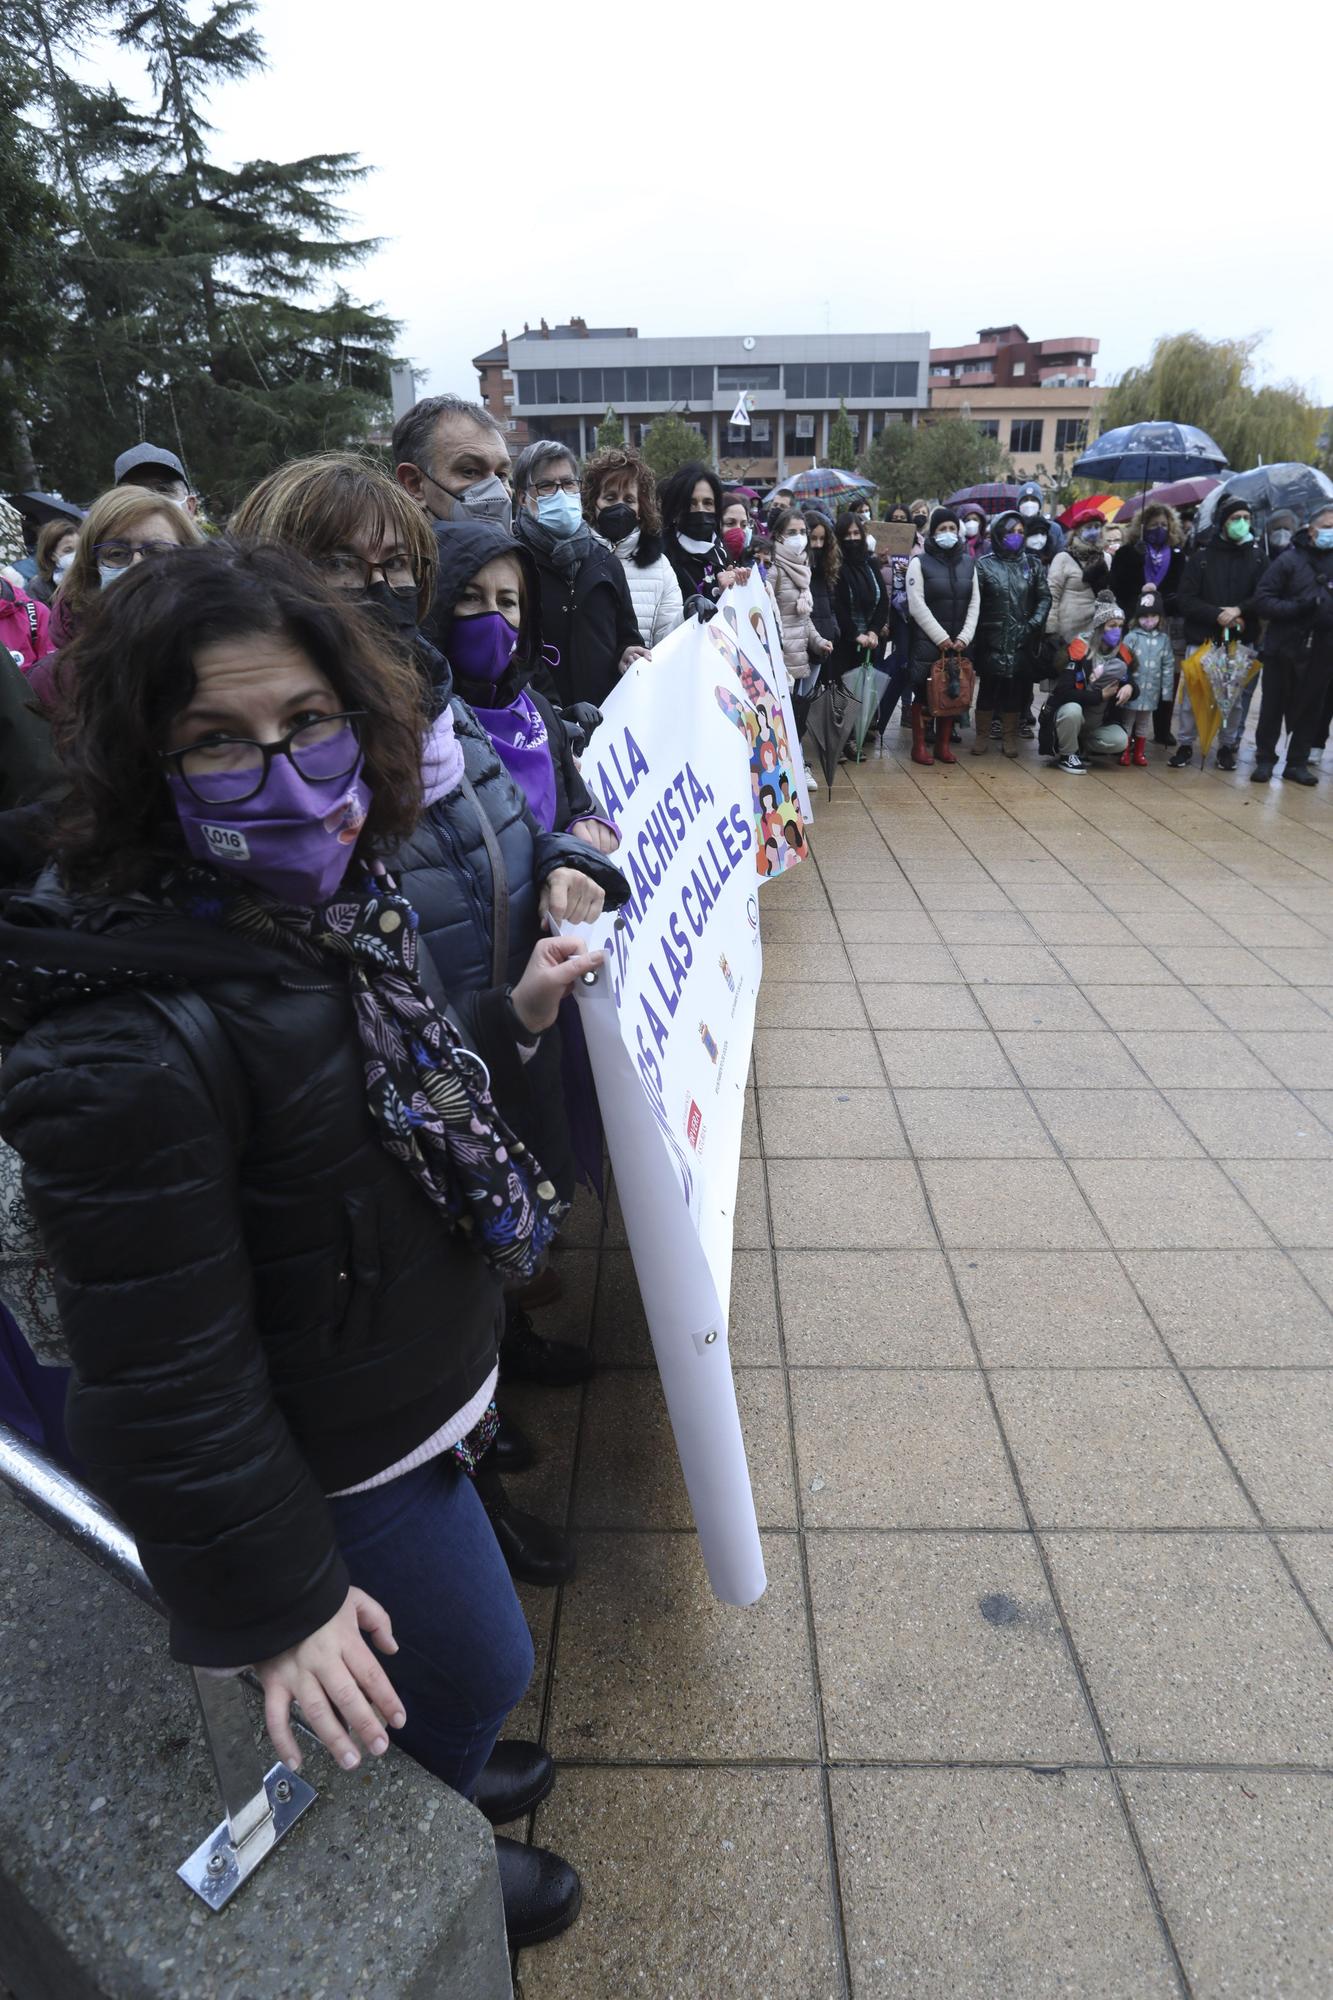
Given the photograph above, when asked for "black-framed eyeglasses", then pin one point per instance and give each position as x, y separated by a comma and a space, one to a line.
119, 555
544, 488
224, 770
346, 571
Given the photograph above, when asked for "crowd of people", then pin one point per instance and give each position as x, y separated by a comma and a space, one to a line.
294, 1096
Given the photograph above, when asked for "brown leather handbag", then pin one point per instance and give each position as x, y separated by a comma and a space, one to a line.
950, 686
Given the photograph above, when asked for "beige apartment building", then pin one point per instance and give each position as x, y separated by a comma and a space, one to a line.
1039, 398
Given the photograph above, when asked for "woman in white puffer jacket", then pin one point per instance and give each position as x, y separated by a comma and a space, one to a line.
620, 503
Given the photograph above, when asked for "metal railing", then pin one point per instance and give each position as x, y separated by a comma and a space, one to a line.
258, 1806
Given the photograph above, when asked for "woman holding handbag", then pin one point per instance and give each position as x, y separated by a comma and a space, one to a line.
943, 601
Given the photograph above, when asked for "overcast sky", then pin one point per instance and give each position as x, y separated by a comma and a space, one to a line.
676, 168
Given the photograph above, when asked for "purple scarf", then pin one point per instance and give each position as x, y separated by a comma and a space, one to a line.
523, 747
441, 759
1156, 563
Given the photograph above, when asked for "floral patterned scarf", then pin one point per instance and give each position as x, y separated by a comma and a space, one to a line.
428, 1094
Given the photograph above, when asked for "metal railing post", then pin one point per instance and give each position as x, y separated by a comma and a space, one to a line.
259, 1806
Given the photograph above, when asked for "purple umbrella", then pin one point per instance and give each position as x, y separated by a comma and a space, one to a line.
1180, 493
992, 493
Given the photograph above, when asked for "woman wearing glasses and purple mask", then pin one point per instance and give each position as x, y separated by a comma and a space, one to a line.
278, 1191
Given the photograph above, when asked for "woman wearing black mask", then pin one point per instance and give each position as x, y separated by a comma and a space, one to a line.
620, 501
691, 501
860, 599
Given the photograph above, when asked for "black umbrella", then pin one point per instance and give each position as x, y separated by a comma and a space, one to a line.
831, 720
1148, 454
43, 507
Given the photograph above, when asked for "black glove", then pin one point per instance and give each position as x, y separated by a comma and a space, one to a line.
581, 718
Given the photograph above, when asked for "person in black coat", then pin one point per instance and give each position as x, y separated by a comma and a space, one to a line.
1296, 597
859, 598
1219, 593
279, 1327
587, 613
1152, 557
691, 503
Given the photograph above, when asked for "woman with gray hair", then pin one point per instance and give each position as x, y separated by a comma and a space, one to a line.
587, 616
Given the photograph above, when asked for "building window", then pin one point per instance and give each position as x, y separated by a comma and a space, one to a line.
613, 385
863, 377
527, 385
1020, 368
1025, 434
546, 390
659, 385
799, 436
1071, 434
840, 378
636, 385
738, 435
988, 426
641, 431
567, 385
761, 431
590, 386
752, 375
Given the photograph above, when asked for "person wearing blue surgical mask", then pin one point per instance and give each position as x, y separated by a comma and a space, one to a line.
590, 635
1296, 597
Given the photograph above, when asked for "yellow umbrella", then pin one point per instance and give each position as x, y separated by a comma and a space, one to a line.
1216, 675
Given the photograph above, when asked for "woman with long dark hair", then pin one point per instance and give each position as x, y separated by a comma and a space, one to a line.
691, 501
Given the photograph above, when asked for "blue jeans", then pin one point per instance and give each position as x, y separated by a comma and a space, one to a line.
423, 1547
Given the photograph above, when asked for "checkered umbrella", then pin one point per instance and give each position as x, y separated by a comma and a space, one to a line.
826, 482
992, 494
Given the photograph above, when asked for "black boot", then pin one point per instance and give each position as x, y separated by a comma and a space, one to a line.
517, 1777
542, 1894
1262, 772
535, 1551
1181, 758
1299, 774
513, 1450
527, 1356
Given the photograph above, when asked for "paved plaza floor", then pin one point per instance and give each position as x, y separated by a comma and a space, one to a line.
1032, 1335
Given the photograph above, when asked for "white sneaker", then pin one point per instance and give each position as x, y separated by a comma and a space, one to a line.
1073, 763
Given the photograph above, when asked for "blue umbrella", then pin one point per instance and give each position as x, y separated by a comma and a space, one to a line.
1148, 454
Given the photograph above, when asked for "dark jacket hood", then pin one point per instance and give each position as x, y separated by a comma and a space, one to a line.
464, 548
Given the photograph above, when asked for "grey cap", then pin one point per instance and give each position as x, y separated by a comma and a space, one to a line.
148, 454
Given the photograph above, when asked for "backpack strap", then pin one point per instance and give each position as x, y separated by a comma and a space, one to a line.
199, 1028
499, 888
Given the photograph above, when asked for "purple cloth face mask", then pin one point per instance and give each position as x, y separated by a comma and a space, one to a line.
480, 649
1014, 539
1111, 636
1156, 538
294, 838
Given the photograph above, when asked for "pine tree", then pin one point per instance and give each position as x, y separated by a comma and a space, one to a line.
30, 217
610, 432
842, 441
204, 305
672, 442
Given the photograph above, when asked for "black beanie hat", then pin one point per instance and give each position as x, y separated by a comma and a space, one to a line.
941, 515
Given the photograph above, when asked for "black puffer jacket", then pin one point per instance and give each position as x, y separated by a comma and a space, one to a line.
261, 1305
1015, 603
1221, 573
462, 552
862, 605
1296, 597
823, 616
587, 618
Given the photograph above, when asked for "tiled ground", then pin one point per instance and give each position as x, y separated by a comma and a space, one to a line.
1033, 1339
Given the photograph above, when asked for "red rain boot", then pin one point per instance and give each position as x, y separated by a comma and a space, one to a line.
920, 754
943, 738
1124, 757
1141, 752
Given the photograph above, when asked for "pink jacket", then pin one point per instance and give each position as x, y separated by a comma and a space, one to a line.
25, 627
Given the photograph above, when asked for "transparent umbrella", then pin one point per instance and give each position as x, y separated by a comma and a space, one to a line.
1266, 488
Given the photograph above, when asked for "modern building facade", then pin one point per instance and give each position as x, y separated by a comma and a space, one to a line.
1038, 398
560, 381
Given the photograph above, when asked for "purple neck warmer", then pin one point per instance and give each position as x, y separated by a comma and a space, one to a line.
522, 745
1156, 562
441, 759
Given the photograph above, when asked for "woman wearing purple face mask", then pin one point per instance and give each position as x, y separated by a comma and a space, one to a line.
1015, 599
485, 620
279, 1195
1151, 557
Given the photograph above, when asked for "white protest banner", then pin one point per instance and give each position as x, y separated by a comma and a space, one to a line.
669, 1024
746, 631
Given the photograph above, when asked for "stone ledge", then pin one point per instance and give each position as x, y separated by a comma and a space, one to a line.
387, 1886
